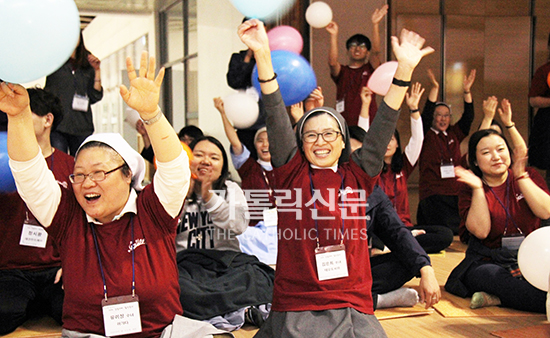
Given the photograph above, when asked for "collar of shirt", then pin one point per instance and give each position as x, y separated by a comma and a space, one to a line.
438, 131
266, 165
131, 206
334, 167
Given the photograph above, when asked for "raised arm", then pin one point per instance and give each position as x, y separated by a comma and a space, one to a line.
467, 118
489, 110
429, 107
332, 29
376, 49
171, 181
364, 118
414, 147
282, 145
408, 52
230, 132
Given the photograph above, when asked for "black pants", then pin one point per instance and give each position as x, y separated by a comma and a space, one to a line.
439, 210
388, 274
67, 143
25, 293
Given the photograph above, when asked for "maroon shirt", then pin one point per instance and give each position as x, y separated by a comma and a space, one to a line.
348, 88
522, 216
12, 216
156, 272
438, 148
395, 186
252, 178
296, 286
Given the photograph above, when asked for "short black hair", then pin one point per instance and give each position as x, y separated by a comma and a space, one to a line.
43, 102
191, 131
359, 39
218, 184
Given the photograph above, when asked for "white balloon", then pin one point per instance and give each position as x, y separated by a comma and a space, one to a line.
319, 14
534, 258
242, 109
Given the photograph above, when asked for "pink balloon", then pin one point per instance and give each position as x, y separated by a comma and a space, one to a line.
285, 38
380, 81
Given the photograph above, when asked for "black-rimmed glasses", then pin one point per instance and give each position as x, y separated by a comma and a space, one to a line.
328, 136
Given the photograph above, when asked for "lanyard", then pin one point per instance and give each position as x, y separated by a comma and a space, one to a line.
315, 207
101, 266
507, 207
268, 187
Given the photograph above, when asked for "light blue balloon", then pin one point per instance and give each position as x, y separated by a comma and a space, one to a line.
7, 184
38, 37
262, 9
295, 76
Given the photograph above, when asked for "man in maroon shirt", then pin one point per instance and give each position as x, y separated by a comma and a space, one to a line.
351, 78
29, 263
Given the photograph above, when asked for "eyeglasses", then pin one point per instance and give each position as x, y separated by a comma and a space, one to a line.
96, 176
444, 116
328, 136
357, 45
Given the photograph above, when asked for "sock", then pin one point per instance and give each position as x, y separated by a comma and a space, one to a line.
483, 299
403, 297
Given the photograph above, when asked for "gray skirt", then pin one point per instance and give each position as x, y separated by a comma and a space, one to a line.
338, 323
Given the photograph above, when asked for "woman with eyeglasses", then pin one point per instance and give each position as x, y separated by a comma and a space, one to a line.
116, 238
501, 201
323, 279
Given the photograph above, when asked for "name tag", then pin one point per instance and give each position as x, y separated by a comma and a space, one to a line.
512, 243
80, 102
121, 315
447, 170
340, 106
331, 262
33, 235
270, 217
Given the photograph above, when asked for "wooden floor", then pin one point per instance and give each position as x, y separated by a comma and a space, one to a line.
427, 326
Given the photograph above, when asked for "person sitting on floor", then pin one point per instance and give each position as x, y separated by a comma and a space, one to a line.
501, 201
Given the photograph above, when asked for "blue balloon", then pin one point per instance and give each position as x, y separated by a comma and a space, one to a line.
38, 37
262, 9
295, 76
7, 184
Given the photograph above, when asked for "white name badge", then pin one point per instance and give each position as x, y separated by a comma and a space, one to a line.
33, 235
447, 170
331, 262
80, 102
512, 243
340, 106
121, 315
270, 217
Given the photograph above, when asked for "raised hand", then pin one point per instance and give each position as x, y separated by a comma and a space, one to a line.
252, 33
14, 98
413, 99
469, 81
490, 107
432, 78
408, 49
332, 28
297, 111
94, 61
315, 99
366, 96
218, 103
379, 14
505, 112
144, 91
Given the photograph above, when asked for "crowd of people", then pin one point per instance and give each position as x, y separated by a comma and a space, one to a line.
323, 196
